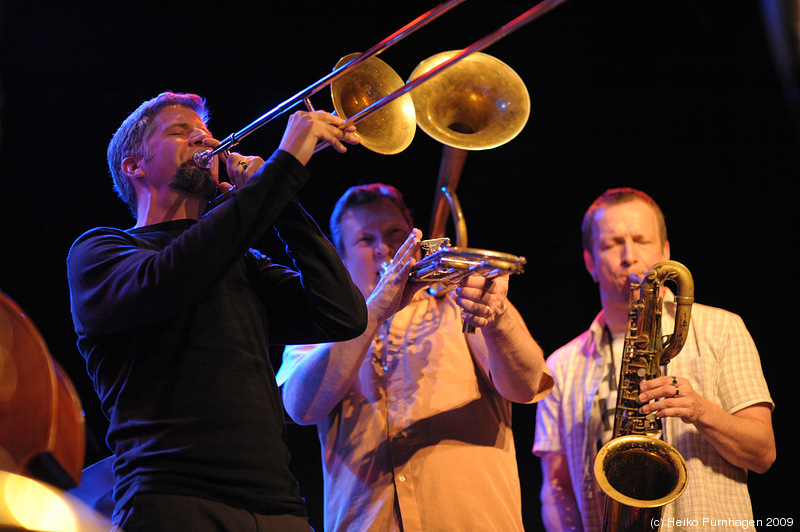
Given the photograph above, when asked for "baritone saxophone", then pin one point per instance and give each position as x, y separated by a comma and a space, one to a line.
639, 472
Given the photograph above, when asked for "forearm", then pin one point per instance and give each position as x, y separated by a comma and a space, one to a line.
559, 506
325, 294
516, 361
745, 439
321, 379
558, 512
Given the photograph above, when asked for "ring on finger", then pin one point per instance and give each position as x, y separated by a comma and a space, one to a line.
243, 164
677, 391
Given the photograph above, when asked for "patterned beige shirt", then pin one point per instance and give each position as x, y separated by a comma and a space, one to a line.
422, 441
720, 360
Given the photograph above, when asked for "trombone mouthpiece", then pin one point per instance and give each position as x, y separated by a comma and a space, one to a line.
203, 159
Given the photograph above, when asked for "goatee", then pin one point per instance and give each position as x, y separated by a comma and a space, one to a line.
196, 180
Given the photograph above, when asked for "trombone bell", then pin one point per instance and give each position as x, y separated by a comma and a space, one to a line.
477, 104
391, 128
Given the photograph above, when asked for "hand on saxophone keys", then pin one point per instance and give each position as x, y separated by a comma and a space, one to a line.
670, 396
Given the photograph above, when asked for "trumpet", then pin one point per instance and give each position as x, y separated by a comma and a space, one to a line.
444, 266
370, 105
447, 266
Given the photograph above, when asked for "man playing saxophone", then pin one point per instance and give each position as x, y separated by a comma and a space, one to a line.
713, 400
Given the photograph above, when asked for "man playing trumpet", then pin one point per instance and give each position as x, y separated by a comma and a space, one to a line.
414, 416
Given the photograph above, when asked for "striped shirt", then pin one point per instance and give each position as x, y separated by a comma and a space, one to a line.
721, 362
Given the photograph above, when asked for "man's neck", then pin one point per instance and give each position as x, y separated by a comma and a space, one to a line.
177, 206
616, 317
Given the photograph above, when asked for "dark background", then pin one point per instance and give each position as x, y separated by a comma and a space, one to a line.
682, 99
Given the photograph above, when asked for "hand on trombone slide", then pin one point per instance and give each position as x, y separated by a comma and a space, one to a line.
308, 129
304, 134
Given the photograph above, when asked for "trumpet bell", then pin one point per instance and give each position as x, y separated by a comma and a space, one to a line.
478, 103
391, 128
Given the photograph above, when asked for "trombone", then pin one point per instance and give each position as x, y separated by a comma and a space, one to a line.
362, 86
204, 159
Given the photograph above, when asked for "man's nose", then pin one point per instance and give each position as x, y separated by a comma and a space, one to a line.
198, 136
383, 249
629, 255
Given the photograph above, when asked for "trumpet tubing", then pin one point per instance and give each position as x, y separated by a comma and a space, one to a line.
449, 265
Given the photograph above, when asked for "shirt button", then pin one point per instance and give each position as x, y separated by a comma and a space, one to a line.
401, 478
392, 398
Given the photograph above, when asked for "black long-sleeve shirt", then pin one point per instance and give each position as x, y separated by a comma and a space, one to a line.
174, 321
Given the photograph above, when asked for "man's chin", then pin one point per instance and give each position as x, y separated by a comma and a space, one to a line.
195, 180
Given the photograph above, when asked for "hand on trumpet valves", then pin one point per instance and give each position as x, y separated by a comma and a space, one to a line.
671, 396
306, 129
483, 301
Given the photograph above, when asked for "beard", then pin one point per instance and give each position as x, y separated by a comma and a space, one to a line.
195, 180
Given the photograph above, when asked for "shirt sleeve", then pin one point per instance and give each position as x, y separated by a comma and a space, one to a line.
547, 433
740, 380
319, 301
292, 356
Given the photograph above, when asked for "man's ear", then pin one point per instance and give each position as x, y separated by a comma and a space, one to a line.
130, 167
588, 261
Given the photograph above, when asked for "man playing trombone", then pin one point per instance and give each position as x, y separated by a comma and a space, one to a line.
414, 416
175, 315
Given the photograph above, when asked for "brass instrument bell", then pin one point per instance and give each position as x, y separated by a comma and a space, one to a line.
390, 129
478, 103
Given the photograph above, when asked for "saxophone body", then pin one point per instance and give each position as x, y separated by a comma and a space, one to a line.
639, 472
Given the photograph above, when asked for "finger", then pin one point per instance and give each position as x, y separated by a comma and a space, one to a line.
238, 166
474, 319
663, 391
405, 257
652, 384
477, 282
475, 308
351, 137
339, 136
210, 142
411, 243
225, 187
